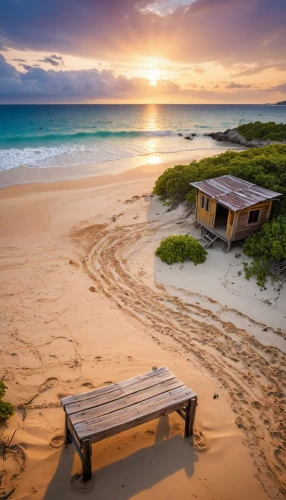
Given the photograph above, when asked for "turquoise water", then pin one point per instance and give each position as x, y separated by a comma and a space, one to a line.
65, 135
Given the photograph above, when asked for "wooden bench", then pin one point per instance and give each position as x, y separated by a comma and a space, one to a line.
101, 413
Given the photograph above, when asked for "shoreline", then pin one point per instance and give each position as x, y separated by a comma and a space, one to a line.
38, 175
25, 179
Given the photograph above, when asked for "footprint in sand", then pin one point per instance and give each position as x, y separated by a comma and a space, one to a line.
74, 263
57, 441
88, 384
200, 442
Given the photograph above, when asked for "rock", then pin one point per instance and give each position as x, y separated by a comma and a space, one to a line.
188, 137
194, 135
181, 135
231, 135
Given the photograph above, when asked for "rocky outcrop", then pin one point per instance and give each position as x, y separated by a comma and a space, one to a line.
231, 135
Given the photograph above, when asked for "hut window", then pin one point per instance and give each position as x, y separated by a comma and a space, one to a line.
205, 202
253, 216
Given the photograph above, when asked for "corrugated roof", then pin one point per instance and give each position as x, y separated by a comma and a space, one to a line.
234, 193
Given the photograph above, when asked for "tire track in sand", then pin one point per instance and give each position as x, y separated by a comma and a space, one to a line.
252, 374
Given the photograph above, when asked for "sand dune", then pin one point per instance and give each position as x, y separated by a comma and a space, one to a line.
84, 304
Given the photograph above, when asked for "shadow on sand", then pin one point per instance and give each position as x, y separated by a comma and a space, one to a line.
123, 479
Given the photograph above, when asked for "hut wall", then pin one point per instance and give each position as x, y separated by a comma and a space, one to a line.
231, 221
242, 228
206, 217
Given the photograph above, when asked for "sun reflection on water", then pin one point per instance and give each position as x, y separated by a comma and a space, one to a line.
151, 117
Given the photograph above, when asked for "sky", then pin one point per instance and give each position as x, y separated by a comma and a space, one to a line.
142, 51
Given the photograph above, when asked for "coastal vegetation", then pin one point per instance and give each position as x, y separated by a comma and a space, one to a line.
264, 166
269, 131
6, 408
178, 248
267, 247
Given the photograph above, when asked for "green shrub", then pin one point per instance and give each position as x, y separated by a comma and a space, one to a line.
266, 247
6, 409
2, 389
178, 248
263, 166
269, 131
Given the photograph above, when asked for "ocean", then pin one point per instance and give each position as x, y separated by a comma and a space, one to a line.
66, 135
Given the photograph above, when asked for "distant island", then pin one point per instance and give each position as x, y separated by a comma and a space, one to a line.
253, 134
281, 103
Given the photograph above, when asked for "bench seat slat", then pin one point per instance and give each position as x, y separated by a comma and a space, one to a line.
113, 387
120, 423
137, 407
100, 399
125, 402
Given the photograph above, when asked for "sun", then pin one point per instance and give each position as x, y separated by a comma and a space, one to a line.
153, 76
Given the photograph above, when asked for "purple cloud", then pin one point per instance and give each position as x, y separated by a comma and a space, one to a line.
75, 85
244, 31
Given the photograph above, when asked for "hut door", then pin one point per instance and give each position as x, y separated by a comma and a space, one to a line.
229, 226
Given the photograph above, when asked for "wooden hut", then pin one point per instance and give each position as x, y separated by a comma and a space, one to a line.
231, 209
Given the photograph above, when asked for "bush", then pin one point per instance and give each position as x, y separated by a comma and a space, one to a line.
269, 131
178, 248
6, 409
263, 166
266, 247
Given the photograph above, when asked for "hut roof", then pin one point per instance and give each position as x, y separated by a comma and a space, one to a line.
234, 193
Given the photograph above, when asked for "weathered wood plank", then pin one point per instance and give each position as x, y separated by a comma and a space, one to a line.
182, 414
98, 400
193, 403
132, 415
76, 443
160, 412
126, 402
113, 387
86, 460
138, 407
190, 417
67, 437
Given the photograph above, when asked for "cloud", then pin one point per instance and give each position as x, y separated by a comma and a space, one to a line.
53, 60
199, 70
26, 67
166, 7
77, 85
258, 68
279, 88
36, 84
54, 56
244, 31
19, 60
233, 85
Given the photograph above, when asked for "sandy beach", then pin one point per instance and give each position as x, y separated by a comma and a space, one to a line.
85, 302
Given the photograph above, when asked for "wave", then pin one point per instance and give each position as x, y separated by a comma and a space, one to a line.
72, 153
87, 135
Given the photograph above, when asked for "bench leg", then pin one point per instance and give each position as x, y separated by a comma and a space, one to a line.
190, 417
86, 460
67, 437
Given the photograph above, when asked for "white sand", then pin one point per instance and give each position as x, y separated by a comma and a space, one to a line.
59, 337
